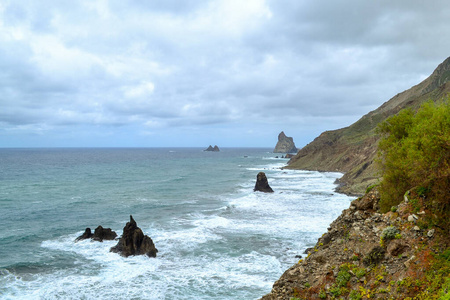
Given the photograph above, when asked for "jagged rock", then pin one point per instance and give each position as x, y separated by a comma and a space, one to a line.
285, 144
134, 242
86, 235
211, 148
101, 234
262, 185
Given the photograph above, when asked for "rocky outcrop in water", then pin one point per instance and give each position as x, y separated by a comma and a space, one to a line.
262, 185
86, 235
134, 242
213, 149
285, 144
99, 234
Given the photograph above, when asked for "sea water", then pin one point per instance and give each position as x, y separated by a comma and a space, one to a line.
217, 239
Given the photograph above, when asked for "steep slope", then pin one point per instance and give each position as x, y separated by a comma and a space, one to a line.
352, 149
368, 255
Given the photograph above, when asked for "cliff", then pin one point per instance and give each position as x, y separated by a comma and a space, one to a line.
352, 150
285, 144
368, 255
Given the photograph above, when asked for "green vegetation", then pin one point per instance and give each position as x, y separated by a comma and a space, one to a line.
415, 152
389, 233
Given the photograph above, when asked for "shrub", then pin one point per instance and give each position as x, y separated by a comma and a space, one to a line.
414, 149
389, 233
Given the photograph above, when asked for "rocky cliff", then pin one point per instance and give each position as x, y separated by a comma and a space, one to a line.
352, 150
285, 144
368, 255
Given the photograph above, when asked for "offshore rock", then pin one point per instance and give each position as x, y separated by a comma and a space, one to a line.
211, 148
262, 185
86, 235
134, 242
101, 234
285, 144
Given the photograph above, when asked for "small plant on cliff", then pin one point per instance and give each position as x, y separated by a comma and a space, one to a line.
389, 233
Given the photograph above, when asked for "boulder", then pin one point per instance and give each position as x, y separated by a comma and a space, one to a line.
101, 234
134, 242
86, 235
369, 201
285, 144
262, 185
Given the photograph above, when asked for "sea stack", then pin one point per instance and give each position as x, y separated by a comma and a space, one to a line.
211, 148
262, 185
285, 144
134, 242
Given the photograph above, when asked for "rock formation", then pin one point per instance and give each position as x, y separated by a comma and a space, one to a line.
262, 185
99, 235
134, 242
86, 235
285, 144
210, 148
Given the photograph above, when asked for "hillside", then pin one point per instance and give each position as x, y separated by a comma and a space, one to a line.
352, 149
364, 254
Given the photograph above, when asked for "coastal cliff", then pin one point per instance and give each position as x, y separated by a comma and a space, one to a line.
369, 255
352, 150
383, 247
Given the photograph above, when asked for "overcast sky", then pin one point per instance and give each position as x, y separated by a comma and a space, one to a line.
134, 73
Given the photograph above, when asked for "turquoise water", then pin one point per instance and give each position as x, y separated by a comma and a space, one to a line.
217, 239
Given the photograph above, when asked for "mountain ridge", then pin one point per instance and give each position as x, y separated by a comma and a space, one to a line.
353, 149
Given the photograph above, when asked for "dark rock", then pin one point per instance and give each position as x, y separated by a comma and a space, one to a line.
86, 235
397, 247
134, 242
285, 144
210, 148
262, 185
101, 234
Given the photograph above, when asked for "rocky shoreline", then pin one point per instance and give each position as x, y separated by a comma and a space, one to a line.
365, 255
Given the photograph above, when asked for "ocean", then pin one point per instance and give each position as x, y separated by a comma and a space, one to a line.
217, 239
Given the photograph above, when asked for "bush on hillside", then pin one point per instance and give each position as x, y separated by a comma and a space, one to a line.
414, 151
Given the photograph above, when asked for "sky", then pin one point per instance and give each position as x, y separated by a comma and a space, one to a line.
232, 73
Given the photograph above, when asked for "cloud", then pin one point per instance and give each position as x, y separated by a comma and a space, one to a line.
189, 66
